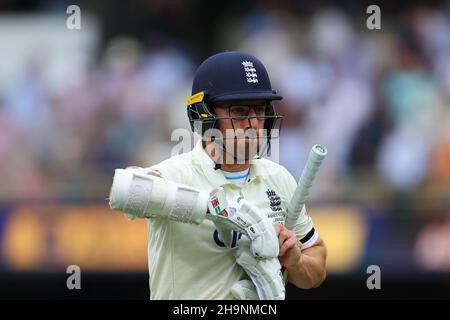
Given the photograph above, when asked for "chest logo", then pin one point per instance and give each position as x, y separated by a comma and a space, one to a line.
275, 200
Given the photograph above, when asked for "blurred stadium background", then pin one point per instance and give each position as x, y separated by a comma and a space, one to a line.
76, 104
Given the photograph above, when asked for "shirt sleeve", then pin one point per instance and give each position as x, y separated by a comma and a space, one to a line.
174, 169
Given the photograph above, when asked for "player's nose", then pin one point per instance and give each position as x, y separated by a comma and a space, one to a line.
252, 120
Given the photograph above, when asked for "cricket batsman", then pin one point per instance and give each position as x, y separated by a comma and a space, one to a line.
216, 214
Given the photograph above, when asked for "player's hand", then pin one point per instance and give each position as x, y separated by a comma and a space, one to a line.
242, 216
290, 246
151, 172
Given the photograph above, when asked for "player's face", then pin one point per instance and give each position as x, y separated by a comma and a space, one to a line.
246, 125
248, 116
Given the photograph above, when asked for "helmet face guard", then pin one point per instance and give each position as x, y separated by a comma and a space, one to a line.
203, 119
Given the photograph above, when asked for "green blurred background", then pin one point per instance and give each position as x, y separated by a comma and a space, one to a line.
76, 104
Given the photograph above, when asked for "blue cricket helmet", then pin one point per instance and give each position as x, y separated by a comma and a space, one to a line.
229, 76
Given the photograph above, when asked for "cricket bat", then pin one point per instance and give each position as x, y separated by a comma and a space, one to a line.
315, 158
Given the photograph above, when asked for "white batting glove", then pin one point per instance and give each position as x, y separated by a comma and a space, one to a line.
242, 216
265, 274
244, 290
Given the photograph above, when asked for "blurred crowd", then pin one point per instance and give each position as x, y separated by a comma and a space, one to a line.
379, 100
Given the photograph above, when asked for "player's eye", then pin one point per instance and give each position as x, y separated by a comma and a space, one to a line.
239, 111
243, 111
260, 110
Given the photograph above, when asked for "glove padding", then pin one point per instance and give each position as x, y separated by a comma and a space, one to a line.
244, 290
265, 274
242, 216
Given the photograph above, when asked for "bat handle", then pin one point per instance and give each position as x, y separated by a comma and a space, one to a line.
315, 158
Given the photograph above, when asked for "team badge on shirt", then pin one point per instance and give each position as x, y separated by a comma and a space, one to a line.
275, 200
